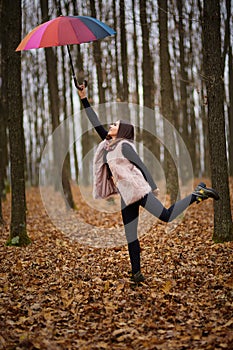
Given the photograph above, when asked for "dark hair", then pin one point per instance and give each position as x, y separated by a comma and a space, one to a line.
125, 131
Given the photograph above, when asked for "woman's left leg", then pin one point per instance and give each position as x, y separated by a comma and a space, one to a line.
156, 208
130, 215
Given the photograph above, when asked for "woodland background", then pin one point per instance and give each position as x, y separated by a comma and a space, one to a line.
125, 67
173, 57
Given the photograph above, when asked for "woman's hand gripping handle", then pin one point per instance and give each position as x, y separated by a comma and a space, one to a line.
82, 90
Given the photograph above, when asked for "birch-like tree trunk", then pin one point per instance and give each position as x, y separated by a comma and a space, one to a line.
203, 102
195, 144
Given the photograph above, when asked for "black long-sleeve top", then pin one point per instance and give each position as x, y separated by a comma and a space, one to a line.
127, 151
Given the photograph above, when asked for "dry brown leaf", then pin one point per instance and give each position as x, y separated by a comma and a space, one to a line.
167, 287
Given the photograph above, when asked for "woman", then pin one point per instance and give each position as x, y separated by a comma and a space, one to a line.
118, 169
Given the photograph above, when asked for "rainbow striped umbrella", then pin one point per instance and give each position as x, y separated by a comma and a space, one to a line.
66, 30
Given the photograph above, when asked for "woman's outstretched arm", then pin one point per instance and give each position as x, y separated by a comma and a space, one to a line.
92, 116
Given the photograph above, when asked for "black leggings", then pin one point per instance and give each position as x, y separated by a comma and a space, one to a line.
130, 215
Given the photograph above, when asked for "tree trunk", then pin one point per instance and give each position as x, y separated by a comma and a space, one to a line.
51, 64
136, 55
3, 105
98, 61
76, 169
205, 131
230, 111
86, 140
230, 89
149, 126
37, 128
74, 3
117, 74
183, 88
73, 131
147, 63
66, 171
1, 159
18, 231
203, 102
51, 69
124, 57
3, 111
183, 75
195, 144
223, 226
167, 101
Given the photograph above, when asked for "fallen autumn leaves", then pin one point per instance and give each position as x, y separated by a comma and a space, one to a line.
58, 294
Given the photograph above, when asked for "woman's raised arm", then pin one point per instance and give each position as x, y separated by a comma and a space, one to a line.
92, 116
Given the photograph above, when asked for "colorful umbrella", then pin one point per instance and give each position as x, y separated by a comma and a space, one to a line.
66, 30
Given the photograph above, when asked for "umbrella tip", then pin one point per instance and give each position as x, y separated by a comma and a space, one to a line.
59, 11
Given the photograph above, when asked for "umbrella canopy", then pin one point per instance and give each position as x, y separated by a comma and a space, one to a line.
66, 30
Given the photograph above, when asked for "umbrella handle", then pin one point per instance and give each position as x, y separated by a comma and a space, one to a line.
73, 73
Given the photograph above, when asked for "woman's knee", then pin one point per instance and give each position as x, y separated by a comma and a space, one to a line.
165, 215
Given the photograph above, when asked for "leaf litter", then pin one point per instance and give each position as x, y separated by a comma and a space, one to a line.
57, 293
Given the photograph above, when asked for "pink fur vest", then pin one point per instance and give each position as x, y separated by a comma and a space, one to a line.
126, 179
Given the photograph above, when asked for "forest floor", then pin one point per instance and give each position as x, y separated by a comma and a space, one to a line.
60, 294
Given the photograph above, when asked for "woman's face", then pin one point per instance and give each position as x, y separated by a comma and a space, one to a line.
113, 129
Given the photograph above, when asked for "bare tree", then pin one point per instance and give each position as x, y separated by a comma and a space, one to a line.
117, 74
185, 115
195, 144
124, 56
167, 100
3, 106
230, 111
136, 73
223, 226
98, 60
149, 125
51, 64
230, 84
18, 231
203, 102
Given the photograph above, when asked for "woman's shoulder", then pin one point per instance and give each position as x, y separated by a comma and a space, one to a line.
128, 149
128, 144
